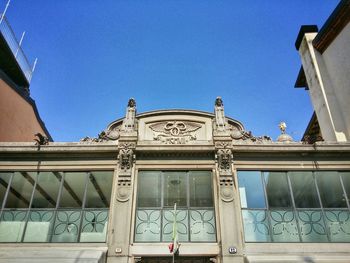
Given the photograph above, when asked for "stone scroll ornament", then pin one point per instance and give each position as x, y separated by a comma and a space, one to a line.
126, 158
175, 132
224, 162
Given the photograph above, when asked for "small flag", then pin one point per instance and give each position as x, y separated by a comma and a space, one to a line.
174, 246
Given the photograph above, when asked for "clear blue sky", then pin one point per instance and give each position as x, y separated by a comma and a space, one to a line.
94, 55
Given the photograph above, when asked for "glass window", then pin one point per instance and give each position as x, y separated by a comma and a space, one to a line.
277, 189
32, 214
346, 182
149, 189
21, 190
46, 191
73, 189
330, 188
251, 189
304, 190
157, 193
201, 194
175, 189
4, 182
99, 189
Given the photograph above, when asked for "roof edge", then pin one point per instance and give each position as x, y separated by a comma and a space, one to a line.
335, 23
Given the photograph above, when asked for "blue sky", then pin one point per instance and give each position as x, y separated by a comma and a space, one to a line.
94, 55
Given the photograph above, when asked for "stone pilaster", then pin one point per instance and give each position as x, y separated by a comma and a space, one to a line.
121, 210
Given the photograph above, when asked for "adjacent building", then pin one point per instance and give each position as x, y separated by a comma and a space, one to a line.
325, 74
19, 117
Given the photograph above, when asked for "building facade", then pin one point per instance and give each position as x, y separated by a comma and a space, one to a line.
239, 198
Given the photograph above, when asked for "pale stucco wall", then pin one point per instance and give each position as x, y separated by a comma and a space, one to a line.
17, 118
337, 62
327, 75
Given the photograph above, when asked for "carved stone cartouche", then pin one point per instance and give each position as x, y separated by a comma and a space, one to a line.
175, 132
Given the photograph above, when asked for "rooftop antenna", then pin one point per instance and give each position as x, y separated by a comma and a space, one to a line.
20, 43
34, 65
3, 13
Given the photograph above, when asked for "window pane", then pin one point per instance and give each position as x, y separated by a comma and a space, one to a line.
149, 189
21, 190
201, 193
45, 195
304, 190
99, 189
277, 189
346, 181
4, 181
202, 225
73, 189
67, 225
338, 224
175, 184
181, 225
94, 227
256, 226
311, 224
284, 226
12, 225
331, 191
39, 226
148, 225
251, 189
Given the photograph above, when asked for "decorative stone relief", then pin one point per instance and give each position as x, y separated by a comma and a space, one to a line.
106, 135
126, 160
224, 165
226, 188
175, 132
224, 159
246, 136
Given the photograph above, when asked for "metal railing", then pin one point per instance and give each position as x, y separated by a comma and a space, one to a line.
12, 42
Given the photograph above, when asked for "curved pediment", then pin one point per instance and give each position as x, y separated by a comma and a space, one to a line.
176, 126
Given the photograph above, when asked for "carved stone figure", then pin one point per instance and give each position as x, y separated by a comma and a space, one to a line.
106, 135
175, 132
239, 135
129, 123
220, 121
132, 103
41, 139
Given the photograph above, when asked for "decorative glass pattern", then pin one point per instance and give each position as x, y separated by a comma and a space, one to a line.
147, 227
256, 226
312, 228
338, 225
284, 226
181, 221
39, 226
202, 225
67, 225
